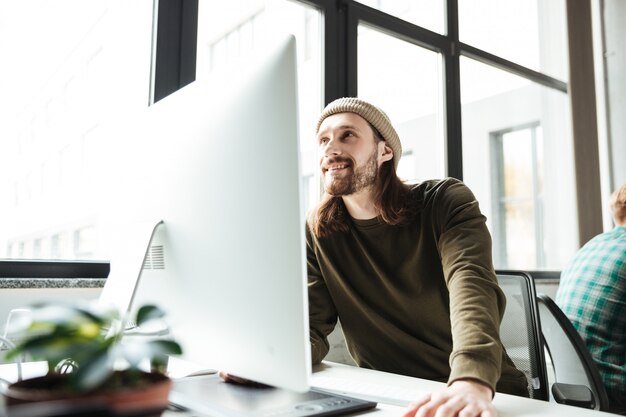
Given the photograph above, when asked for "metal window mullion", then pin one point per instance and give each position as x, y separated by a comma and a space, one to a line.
351, 41
339, 52
333, 64
453, 125
176, 44
452, 95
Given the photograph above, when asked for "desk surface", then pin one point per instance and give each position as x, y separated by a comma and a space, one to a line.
507, 405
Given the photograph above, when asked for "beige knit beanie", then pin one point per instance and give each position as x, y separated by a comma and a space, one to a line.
375, 116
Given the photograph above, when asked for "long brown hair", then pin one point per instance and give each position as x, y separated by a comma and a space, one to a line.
390, 199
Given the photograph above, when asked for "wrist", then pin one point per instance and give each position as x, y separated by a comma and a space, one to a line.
475, 385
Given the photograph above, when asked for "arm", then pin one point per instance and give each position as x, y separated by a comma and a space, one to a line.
476, 301
322, 312
476, 305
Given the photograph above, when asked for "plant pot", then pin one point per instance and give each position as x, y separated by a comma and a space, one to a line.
149, 397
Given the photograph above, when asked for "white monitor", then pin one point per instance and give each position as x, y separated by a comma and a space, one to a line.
228, 262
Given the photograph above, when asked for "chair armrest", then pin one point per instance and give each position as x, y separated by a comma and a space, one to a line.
576, 395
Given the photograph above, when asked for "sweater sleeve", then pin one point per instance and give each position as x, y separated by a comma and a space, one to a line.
322, 312
476, 301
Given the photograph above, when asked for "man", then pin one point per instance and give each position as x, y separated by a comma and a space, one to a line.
407, 269
592, 293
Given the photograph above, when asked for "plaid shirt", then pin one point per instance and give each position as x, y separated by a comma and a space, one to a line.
592, 293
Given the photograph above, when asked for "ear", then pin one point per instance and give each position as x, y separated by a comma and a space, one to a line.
385, 153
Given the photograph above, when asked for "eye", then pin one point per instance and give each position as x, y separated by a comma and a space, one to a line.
323, 140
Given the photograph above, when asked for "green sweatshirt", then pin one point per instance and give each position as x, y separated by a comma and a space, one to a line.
419, 300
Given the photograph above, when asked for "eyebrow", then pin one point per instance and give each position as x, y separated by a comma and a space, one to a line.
348, 127
343, 127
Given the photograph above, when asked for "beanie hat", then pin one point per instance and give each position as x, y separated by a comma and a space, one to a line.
375, 116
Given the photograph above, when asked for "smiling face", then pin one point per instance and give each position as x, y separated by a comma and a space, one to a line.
350, 154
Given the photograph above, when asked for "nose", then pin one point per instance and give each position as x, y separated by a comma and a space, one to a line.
332, 148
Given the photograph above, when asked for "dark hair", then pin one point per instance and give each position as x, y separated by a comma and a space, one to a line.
390, 199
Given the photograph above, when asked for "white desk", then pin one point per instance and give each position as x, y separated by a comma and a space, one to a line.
507, 405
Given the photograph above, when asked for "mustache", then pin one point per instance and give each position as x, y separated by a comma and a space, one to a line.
338, 160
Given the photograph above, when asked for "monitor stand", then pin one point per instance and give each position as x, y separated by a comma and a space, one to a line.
210, 395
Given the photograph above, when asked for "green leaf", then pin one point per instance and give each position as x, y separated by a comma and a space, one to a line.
94, 372
165, 347
148, 312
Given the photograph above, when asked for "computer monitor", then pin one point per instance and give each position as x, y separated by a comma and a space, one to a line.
220, 167
227, 264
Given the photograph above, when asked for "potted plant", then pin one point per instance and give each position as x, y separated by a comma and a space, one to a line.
89, 365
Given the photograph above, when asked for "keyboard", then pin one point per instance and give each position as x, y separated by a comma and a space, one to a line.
208, 395
379, 393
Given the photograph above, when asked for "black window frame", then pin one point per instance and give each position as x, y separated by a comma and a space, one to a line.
175, 43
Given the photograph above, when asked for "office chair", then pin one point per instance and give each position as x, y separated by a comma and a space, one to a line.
520, 330
578, 380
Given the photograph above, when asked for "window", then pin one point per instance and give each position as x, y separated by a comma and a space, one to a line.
517, 165
426, 13
467, 89
529, 33
86, 65
387, 66
230, 33
517, 159
85, 242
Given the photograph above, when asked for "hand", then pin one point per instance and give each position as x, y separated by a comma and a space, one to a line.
238, 380
462, 398
232, 378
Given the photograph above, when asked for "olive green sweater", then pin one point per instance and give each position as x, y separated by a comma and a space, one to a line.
419, 300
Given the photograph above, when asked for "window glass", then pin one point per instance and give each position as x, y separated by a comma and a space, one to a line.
426, 13
517, 158
529, 33
229, 32
404, 81
518, 196
66, 85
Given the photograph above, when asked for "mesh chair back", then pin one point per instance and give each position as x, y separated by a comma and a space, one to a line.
520, 330
570, 358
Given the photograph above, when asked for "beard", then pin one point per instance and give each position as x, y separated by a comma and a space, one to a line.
355, 180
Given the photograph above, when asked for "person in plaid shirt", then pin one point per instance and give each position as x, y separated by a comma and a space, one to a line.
592, 293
